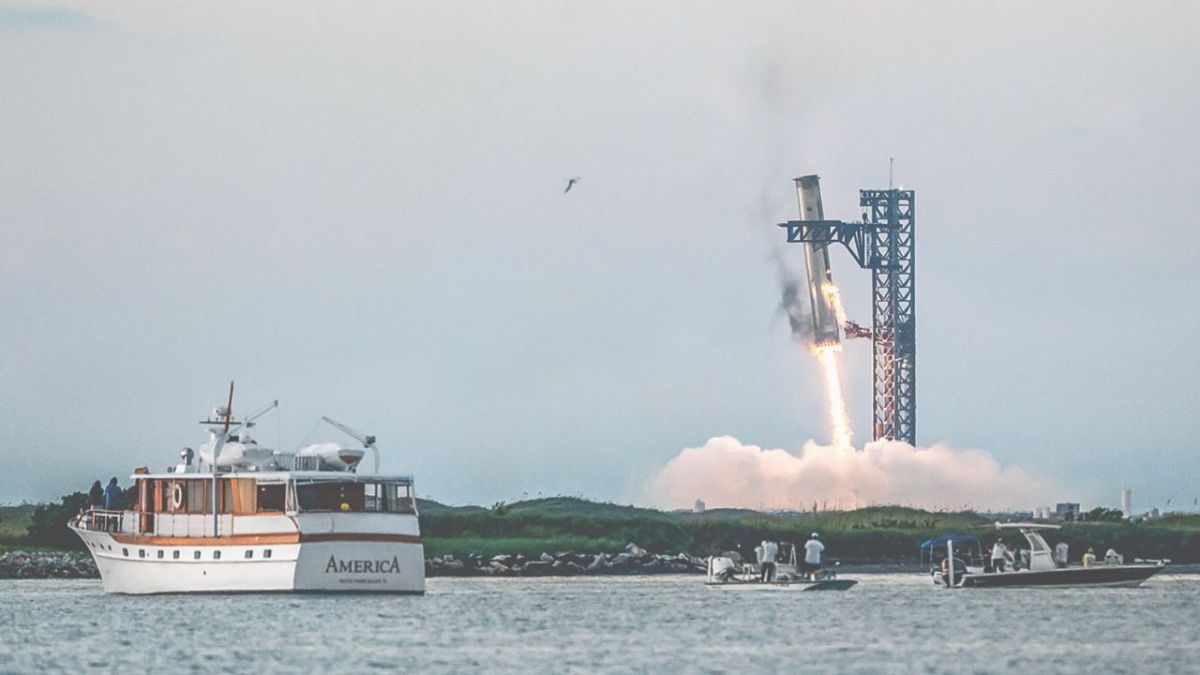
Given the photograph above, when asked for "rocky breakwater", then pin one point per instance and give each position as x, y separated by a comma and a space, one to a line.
633, 560
47, 565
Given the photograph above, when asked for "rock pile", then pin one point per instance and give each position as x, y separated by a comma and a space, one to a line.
633, 560
47, 565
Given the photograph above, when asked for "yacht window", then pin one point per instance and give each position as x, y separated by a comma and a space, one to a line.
125, 552
267, 553
374, 497
271, 497
160, 554
195, 496
196, 555
141, 553
249, 554
330, 496
216, 555
175, 555
400, 498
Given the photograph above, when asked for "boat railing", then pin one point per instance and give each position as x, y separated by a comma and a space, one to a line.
107, 520
158, 524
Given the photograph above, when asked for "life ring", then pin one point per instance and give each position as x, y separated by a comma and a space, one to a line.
176, 496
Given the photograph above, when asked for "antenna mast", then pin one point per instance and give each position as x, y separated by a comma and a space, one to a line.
216, 451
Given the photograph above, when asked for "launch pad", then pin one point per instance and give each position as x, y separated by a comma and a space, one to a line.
883, 243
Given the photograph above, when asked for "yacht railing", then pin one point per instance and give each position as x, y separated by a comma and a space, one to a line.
157, 524
101, 520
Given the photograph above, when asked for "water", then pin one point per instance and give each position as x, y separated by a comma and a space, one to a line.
623, 624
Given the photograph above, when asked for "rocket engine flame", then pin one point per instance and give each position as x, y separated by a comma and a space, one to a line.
834, 296
839, 419
827, 356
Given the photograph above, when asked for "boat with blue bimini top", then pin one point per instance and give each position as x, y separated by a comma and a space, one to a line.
957, 561
285, 522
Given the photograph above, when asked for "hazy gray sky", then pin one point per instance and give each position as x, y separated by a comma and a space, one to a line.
358, 210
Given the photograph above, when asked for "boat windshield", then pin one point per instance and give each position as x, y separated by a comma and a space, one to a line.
355, 496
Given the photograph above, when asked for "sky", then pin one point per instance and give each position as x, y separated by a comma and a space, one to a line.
358, 210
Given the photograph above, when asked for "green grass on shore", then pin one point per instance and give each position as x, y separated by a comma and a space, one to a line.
15, 522
875, 534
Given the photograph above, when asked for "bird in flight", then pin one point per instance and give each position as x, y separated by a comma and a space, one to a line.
571, 183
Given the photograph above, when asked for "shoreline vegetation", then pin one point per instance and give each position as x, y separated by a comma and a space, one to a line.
570, 536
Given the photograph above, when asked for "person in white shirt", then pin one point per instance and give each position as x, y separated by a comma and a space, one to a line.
770, 552
813, 548
999, 554
1061, 551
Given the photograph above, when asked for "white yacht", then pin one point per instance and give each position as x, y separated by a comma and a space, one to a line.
303, 521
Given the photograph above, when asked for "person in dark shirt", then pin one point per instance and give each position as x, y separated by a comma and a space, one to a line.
96, 495
114, 497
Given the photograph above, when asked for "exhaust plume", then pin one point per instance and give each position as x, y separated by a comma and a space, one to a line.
794, 306
725, 473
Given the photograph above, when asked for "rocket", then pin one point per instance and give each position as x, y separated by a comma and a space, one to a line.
816, 261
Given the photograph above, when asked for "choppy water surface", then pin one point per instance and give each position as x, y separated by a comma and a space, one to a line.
651, 624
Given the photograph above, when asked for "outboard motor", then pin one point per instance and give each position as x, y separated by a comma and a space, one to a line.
721, 568
960, 571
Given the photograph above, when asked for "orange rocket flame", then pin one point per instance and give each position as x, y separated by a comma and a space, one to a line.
833, 391
827, 355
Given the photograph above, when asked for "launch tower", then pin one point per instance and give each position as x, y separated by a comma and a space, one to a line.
883, 243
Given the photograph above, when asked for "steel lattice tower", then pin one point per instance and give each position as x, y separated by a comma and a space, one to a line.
883, 242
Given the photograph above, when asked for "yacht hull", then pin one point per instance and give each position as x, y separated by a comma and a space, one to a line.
343, 563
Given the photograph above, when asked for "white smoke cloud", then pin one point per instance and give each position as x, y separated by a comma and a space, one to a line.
725, 473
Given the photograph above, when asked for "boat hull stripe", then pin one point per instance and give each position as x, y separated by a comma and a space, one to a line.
265, 539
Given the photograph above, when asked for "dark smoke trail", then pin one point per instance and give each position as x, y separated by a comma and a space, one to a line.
793, 302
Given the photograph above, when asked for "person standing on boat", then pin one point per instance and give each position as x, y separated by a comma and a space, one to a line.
1089, 558
96, 495
998, 556
1061, 551
114, 497
813, 548
770, 551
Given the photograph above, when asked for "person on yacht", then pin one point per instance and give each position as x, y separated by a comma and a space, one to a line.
96, 495
999, 553
114, 497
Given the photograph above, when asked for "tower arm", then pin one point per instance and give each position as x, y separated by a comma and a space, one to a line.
856, 237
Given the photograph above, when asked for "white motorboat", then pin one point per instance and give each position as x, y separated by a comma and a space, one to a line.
302, 521
723, 572
961, 565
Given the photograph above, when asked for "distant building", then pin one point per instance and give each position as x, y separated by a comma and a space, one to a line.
699, 506
1043, 513
1152, 513
1062, 509
1127, 503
